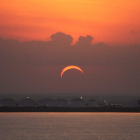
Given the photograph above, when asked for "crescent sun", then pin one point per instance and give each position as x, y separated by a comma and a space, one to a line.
70, 67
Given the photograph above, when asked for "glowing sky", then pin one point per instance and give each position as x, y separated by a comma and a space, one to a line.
63, 32
116, 22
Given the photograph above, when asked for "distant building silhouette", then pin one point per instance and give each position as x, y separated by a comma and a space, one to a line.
133, 103
7, 102
105, 103
47, 102
61, 103
27, 102
138, 101
76, 103
93, 103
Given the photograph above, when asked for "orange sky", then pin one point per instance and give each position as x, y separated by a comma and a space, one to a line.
109, 21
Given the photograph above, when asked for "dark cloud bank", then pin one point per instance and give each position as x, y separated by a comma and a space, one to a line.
119, 66
59, 51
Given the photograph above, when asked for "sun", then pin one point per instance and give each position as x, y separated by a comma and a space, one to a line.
70, 67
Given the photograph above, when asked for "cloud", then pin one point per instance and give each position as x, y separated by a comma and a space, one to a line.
59, 51
84, 40
35, 66
61, 38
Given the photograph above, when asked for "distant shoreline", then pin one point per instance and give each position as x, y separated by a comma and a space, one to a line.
70, 109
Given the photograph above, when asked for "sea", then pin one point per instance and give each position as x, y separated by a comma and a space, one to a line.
69, 126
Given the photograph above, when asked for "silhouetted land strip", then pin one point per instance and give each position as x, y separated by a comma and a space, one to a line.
69, 109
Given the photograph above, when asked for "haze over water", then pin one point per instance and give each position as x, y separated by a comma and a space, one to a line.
69, 126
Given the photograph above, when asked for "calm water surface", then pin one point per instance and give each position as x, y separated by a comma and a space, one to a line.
69, 126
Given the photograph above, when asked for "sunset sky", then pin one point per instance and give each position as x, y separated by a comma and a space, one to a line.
112, 22
39, 38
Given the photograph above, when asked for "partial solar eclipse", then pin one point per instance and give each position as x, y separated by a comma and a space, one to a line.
70, 67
